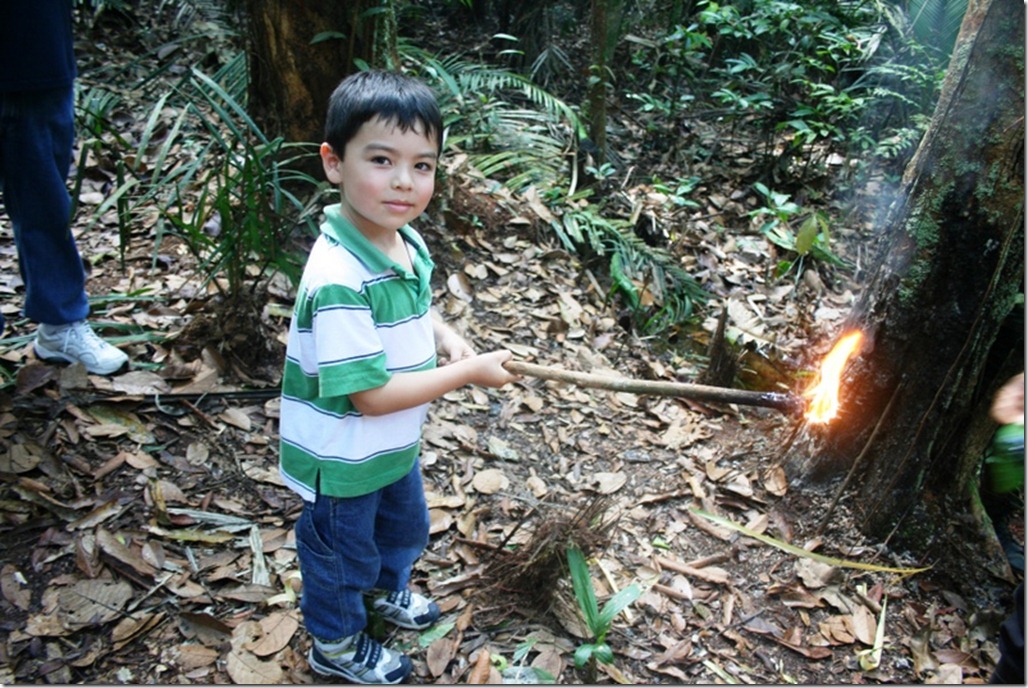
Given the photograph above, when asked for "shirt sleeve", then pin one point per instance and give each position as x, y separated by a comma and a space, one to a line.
350, 354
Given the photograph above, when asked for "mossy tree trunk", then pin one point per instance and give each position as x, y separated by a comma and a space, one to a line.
933, 312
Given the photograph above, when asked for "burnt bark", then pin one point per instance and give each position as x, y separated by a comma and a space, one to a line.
934, 311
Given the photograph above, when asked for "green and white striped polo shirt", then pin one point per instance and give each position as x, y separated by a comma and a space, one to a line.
358, 319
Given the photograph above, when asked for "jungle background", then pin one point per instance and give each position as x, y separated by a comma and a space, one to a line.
716, 226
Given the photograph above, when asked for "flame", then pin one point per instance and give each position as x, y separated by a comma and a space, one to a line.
824, 394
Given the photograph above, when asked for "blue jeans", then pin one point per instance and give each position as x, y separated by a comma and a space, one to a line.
37, 129
349, 545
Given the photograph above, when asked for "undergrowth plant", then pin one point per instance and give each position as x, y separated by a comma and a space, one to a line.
519, 134
788, 226
814, 79
231, 196
598, 621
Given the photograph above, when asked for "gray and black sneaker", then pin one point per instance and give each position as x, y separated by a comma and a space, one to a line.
362, 659
407, 609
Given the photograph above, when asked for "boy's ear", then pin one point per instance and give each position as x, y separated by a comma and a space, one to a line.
332, 163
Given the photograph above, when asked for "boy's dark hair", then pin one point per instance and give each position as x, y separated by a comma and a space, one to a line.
377, 93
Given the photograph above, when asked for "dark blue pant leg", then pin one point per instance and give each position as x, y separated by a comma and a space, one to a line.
350, 545
37, 129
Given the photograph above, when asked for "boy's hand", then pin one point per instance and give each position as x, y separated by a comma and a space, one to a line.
489, 370
452, 347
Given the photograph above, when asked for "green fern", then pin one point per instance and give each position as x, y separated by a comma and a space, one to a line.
521, 135
936, 22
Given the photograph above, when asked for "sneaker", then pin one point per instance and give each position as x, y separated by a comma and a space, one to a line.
407, 609
78, 343
361, 659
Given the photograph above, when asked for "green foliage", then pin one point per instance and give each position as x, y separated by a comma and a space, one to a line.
517, 672
598, 621
822, 76
518, 133
232, 197
658, 293
669, 63
936, 23
787, 65
811, 239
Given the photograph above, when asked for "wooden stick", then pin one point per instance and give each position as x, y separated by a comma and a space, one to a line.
788, 403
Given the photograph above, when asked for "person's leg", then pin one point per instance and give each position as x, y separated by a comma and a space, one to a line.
338, 562
1010, 668
37, 130
401, 529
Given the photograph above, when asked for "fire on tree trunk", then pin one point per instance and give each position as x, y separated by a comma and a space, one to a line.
915, 403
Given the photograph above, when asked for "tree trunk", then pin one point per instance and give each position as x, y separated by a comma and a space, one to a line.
598, 80
300, 51
933, 312
605, 31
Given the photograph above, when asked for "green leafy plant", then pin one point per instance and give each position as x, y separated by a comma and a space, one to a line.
232, 197
510, 128
246, 208
516, 671
811, 238
519, 134
598, 621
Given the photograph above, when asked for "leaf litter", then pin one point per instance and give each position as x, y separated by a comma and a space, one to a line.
152, 538
148, 538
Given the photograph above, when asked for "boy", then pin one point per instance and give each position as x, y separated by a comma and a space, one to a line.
360, 372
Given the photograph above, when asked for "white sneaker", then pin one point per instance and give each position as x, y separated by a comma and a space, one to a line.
78, 343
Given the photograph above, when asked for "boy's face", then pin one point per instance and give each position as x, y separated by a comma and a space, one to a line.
386, 176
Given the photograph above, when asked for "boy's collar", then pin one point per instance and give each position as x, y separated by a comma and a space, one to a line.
342, 231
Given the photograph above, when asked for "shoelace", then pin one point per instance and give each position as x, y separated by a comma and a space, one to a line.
85, 332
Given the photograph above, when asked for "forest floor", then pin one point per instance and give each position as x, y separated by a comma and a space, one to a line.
146, 536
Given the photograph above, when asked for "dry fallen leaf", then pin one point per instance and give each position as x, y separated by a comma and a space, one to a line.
134, 627
538, 486
550, 659
439, 520
864, 624
246, 669
460, 286
140, 382
277, 629
775, 481
815, 574
14, 587
237, 418
490, 481
439, 655
139, 460
19, 459
113, 546
190, 656
92, 602
608, 483
948, 674
479, 674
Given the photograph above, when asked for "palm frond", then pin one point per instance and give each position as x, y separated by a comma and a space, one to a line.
937, 22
